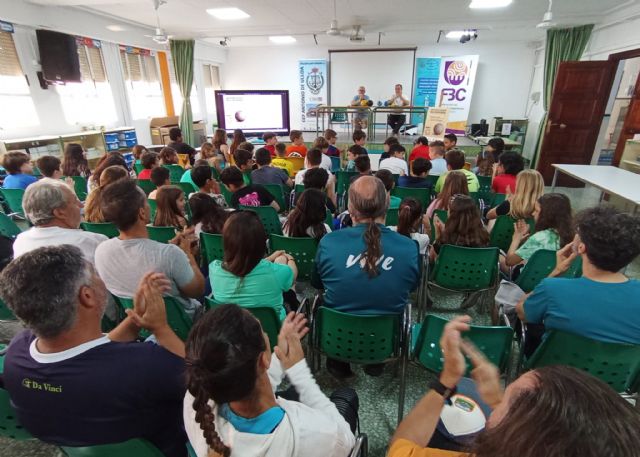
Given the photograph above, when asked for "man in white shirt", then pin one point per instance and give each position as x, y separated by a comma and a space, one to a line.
395, 163
54, 210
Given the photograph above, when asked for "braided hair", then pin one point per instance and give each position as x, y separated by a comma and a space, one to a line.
222, 351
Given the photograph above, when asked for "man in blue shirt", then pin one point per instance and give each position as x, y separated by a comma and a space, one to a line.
367, 269
603, 304
360, 118
18, 166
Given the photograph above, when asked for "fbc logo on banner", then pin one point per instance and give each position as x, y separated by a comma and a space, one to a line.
455, 71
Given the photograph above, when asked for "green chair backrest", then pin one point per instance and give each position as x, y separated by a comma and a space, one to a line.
329, 219
226, 194
443, 215
13, 199
432, 180
277, 192
465, 269
175, 173
303, 251
343, 179
485, 192
423, 195
215, 174
211, 247
8, 228
153, 207
494, 342
268, 216
502, 232
178, 319
137, 166
5, 313
538, 267
614, 363
187, 188
339, 115
335, 163
105, 228
9, 425
161, 234
299, 188
146, 185
357, 338
80, 187
497, 199
392, 217
131, 448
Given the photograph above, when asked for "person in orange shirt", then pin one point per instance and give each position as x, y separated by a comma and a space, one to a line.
297, 147
555, 411
421, 149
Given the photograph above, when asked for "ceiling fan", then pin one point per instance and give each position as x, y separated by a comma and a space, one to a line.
159, 35
547, 19
356, 32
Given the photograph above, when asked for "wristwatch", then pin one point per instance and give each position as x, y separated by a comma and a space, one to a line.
445, 392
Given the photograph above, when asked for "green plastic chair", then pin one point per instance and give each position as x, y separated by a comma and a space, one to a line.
484, 191
432, 180
299, 188
132, 448
443, 215
339, 116
9, 425
538, 267
146, 185
303, 251
268, 216
329, 219
494, 342
161, 234
187, 188
178, 319
215, 174
211, 247
502, 232
335, 164
392, 217
175, 173
5, 313
343, 181
138, 167
465, 269
265, 314
8, 228
104, 228
423, 195
497, 199
277, 192
153, 207
616, 364
362, 339
13, 199
226, 194
80, 187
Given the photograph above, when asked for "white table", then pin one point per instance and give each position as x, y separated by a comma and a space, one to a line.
610, 180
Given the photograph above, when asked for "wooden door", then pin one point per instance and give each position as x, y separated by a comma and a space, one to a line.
631, 124
578, 102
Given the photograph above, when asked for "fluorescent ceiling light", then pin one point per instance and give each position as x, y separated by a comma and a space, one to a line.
227, 14
489, 3
456, 34
116, 28
282, 39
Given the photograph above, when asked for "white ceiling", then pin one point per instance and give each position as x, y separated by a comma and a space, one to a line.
402, 22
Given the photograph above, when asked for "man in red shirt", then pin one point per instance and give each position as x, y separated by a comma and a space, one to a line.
421, 149
270, 139
508, 166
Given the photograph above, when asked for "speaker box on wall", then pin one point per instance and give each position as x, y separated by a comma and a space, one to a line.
58, 56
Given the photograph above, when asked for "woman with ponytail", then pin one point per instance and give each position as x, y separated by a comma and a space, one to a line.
411, 221
230, 409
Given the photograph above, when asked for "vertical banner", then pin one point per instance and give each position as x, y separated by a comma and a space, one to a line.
425, 90
313, 90
455, 88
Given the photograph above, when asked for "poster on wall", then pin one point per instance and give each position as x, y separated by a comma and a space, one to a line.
313, 90
435, 124
425, 90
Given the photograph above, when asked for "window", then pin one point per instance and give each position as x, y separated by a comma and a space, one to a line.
143, 83
177, 97
211, 76
18, 107
89, 101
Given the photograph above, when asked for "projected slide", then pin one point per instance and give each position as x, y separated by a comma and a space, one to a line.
253, 111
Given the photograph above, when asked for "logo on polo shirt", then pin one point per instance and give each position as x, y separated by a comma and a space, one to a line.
45, 386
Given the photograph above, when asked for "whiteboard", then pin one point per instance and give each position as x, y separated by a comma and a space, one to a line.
377, 71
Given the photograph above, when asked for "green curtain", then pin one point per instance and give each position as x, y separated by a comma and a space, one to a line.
562, 45
182, 56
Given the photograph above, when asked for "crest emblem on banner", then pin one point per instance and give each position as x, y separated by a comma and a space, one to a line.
315, 81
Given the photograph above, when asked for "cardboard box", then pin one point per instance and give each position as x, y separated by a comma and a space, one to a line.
160, 127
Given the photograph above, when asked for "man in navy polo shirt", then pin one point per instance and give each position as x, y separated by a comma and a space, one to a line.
70, 384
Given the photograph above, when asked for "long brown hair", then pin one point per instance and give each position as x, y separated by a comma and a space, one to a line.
455, 184
219, 138
168, 156
138, 150
205, 210
555, 213
238, 137
310, 213
74, 163
409, 214
464, 226
207, 151
93, 205
168, 214
244, 241
484, 162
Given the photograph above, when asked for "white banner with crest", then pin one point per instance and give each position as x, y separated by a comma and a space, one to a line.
312, 76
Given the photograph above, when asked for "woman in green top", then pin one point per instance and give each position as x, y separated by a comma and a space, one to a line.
245, 277
553, 229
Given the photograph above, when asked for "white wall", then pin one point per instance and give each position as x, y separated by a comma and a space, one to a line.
502, 81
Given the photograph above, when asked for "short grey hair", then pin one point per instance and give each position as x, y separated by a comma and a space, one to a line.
41, 287
41, 198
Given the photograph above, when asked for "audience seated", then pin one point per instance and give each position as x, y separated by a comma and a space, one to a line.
170, 208
206, 214
148, 160
203, 179
74, 161
418, 178
322, 144
54, 210
387, 179
360, 139
270, 140
177, 144
456, 184
455, 162
208, 152
308, 218
436, 154
450, 141
589, 418
317, 178
363, 167
93, 204
246, 195
353, 152
161, 177
247, 146
17, 164
219, 142
297, 147
504, 179
245, 162
314, 160
495, 147
50, 167
395, 163
603, 303
267, 173
168, 156
230, 407
385, 147
123, 261
72, 385
421, 149
484, 164
529, 188
245, 276
187, 176
238, 137
137, 152
332, 137
280, 161
110, 159
410, 222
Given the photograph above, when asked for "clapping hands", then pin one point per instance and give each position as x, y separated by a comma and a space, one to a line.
289, 349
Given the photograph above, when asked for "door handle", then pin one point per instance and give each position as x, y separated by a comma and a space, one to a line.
554, 124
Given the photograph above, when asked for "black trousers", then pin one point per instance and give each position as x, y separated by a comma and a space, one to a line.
396, 121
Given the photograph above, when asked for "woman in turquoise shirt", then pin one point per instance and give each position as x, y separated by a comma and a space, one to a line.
245, 277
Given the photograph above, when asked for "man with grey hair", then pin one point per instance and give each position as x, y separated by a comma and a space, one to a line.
368, 268
54, 210
72, 385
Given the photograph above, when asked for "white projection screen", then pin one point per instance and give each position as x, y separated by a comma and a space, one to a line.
378, 71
